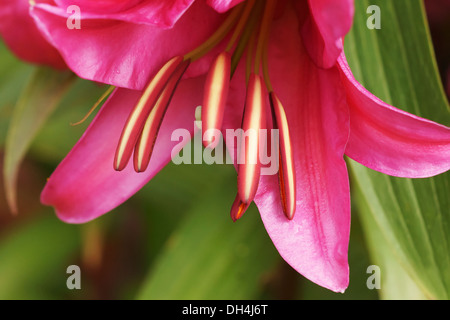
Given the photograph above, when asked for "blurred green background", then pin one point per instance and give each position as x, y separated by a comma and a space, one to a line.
175, 240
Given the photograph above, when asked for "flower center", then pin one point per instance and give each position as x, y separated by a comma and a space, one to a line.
248, 26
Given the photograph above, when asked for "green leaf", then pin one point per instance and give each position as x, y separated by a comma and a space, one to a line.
34, 258
13, 75
210, 257
408, 217
38, 100
395, 283
171, 194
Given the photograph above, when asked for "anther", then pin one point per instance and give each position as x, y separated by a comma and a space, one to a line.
249, 165
215, 97
144, 147
286, 172
137, 117
238, 209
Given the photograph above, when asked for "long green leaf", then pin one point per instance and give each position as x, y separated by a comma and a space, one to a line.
34, 258
37, 102
412, 216
395, 281
210, 257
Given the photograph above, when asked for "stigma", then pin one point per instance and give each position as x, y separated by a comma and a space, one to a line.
246, 30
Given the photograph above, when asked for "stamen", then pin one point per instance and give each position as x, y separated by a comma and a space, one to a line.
218, 36
99, 101
215, 98
253, 121
136, 120
286, 171
251, 25
144, 148
238, 209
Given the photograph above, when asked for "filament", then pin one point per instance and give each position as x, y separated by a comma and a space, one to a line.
99, 101
215, 39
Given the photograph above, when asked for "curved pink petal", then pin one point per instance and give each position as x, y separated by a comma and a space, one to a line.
85, 185
163, 14
328, 22
315, 242
390, 140
223, 5
21, 35
126, 54
101, 6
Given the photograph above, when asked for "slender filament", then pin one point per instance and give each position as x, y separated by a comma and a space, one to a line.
264, 32
241, 24
218, 36
99, 101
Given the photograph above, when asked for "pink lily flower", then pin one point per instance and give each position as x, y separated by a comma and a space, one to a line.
169, 57
26, 41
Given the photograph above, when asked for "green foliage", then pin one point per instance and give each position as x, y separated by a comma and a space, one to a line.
36, 104
406, 220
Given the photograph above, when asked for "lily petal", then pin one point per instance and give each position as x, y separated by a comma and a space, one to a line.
328, 22
223, 5
162, 14
315, 242
26, 41
85, 185
390, 140
93, 52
